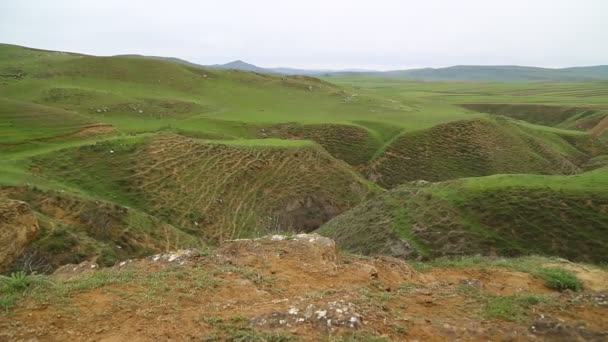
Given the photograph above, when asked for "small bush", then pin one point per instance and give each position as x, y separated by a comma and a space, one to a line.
14, 286
560, 279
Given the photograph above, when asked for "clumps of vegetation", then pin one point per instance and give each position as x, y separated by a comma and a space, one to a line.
16, 285
560, 279
513, 308
236, 329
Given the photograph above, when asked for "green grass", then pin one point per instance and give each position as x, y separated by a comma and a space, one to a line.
513, 308
15, 286
560, 279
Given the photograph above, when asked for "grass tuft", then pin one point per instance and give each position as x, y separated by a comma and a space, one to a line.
16, 285
560, 279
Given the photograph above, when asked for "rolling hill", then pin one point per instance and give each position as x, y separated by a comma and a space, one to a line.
125, 156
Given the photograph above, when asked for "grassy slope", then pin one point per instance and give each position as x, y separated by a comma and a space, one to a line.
212, 189
479, 147
503, 214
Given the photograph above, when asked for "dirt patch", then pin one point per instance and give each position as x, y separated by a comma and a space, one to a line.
288, 286
18, 226
496, 281
87, 131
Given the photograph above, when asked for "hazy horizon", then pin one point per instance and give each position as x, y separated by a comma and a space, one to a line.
383, 35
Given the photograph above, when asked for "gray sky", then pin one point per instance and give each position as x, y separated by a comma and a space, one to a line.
375, 34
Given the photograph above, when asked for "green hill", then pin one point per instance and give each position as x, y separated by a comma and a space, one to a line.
505, 215
479, 147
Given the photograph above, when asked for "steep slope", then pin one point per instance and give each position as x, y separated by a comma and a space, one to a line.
18, 226
73, 229
215, 190
504, 215
478, 147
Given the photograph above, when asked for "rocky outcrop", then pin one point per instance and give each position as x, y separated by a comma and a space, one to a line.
18, 226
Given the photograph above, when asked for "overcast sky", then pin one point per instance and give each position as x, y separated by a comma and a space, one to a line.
375, 34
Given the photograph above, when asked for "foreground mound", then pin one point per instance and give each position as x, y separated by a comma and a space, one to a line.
478, 147
298, 288
43, 230
215, 190
505, 215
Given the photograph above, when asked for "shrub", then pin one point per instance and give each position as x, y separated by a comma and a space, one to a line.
560, 279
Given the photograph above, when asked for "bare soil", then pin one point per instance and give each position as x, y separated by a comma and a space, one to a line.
302, 288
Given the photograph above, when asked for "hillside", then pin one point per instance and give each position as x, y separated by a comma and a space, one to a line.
216, 190
505, 215
125, 156
300, 288
480, 147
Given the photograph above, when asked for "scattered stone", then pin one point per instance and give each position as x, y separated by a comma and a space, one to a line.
327, 317
71, 270
470, 282
179, 257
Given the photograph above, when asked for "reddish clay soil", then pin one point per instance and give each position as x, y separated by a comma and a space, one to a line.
299, 287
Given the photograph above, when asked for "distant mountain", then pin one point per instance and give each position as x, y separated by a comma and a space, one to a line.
506, 73
470, 73
474, 73
240, 65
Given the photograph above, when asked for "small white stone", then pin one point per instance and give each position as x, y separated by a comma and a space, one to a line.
321, 314
293, 311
